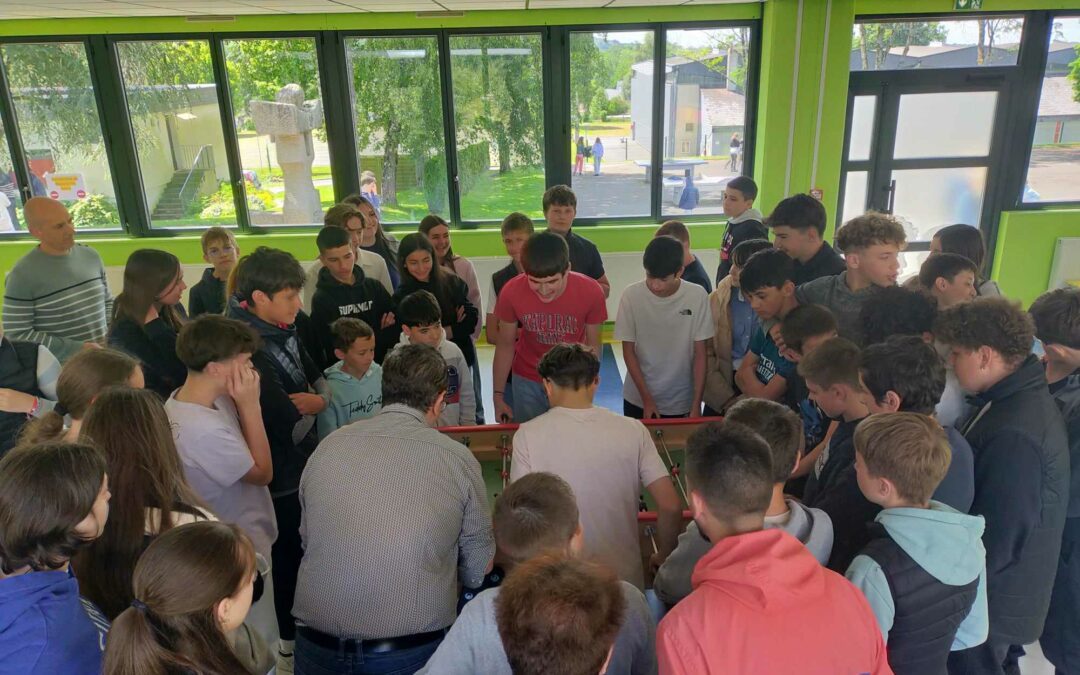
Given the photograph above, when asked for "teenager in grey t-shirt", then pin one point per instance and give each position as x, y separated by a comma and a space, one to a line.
473, 644
216, 457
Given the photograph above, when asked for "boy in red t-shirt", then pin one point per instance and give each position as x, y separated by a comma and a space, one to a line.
546, 305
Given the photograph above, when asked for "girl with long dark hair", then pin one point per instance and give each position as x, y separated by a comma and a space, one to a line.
151, 494
420, 272
373, 238
146, 317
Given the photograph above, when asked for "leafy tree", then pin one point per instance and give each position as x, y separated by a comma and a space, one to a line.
875, 40
1074, 75
498, 96
397, 106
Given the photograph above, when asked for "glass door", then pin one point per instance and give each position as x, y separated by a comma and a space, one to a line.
921, 146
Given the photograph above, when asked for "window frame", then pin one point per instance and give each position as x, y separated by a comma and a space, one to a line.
12, 134
334, 79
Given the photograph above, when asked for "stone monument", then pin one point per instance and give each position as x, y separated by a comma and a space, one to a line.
289, 121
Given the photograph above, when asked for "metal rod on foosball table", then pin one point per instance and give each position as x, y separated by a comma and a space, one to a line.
504, 449
671, 465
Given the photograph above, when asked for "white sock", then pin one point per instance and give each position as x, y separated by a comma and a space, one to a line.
285, 647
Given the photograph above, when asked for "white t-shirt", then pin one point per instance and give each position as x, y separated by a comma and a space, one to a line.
215, 457
664, 331
606, 459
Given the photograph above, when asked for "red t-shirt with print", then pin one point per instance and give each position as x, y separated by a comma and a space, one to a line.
542, 325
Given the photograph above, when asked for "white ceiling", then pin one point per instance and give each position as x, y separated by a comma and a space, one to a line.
69, 9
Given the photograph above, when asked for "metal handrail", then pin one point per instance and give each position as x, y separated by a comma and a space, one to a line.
206, 150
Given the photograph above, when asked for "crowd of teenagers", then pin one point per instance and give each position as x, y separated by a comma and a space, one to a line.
258, 482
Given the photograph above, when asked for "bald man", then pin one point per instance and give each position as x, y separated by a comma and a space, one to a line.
56, 295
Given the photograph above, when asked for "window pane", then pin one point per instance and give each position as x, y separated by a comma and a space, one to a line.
611, 83
949, 43
704, 117
910, 263
174, 110
10, 195
280, 130
928, 198
862, 127
398, 113
854, 195
61, 131
1054, 170
953, 124
498, 108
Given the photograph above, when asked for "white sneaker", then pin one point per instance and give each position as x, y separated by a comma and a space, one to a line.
284, 664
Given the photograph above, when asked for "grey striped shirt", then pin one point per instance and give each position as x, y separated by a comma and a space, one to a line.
59, 301
394, 514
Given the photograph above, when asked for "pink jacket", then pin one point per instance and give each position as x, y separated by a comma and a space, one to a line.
762, 605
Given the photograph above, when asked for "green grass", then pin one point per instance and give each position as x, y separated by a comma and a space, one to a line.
491, 198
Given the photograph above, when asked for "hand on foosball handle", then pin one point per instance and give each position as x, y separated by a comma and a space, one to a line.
503, 412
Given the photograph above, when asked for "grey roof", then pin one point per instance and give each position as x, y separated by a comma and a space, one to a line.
722, 108
1057, 98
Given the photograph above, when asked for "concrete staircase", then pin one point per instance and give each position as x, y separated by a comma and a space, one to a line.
169, 206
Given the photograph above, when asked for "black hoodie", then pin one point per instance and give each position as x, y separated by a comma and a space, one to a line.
1022, 490
366, 299
284, 368
207, 296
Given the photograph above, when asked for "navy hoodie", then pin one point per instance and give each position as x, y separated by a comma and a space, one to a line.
284, 368
207, 296
46, 628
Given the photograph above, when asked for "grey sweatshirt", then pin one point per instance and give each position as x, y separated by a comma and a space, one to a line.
473, 645
834, 293
810, 526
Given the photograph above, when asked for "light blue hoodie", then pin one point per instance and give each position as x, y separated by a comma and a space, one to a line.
351, 399
945, 543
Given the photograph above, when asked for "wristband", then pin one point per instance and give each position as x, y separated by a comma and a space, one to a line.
34, 408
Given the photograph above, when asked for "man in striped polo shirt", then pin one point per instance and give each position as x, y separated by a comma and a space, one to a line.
56, 295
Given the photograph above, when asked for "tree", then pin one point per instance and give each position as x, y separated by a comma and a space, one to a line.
875, 40
396, 101
989, 32
259, 68
498, 96
1074, 75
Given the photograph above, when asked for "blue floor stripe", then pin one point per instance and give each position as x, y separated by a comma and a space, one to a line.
609, 393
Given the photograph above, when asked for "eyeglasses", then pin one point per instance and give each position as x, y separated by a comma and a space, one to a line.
218, 252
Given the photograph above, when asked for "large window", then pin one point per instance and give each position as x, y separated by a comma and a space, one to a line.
280, 131
1053, 173
936, 43
173, 106
704, 118
269, 130
10, 196
398, 117
499, 116
611, 108
60, 131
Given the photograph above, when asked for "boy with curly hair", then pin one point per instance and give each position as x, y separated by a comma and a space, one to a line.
1021, 469
871, 244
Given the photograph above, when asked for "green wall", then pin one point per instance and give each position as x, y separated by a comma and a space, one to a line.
811, 137
1025, 249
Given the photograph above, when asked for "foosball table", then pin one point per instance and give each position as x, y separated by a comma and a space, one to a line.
493, 447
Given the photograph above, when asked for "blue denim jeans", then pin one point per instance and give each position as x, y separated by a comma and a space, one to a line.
311, 659
530, 400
